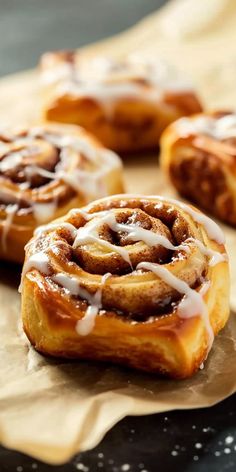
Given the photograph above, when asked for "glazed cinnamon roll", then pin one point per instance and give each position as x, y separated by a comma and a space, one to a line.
139, 281
125, 103
198, 153
44, 172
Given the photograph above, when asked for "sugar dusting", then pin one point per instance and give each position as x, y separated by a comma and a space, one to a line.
107, 464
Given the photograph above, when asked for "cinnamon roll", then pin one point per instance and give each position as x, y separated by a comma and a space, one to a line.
44, 172
139, 281
125, 103
198, 153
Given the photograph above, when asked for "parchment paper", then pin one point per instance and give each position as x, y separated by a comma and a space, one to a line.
53, 409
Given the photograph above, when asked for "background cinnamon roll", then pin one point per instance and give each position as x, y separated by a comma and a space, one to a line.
198, 153
140, 281
125, 103
44, 172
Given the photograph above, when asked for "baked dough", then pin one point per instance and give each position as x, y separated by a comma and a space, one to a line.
198, 154
45, 171
125, 103
139, 281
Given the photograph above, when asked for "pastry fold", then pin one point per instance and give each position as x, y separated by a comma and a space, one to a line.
125, 103
135, 280
45, 171
198, 154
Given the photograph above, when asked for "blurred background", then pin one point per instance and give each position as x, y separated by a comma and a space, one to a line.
30, 27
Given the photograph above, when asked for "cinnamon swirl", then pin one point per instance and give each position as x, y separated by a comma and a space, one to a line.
125, 103
139, 281
44, 172
199, 155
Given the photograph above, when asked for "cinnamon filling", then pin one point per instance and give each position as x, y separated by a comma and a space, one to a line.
199, 178
93, 259
32, 160
20, 163
91, 256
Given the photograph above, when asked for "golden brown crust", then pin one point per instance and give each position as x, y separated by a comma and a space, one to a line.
45, 171
200, 162
138, 322
127, 110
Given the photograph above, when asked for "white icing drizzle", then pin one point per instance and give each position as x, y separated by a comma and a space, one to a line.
108, 94
11, 210
32, 169
14, 158
69, 283
219, 128
191, 305
86, 182
107, 80
90, 183
213, 231
137, 233
86, 324
38, 261
205, 287
89, 233
11, 161
24, 186
214, 256
54, 226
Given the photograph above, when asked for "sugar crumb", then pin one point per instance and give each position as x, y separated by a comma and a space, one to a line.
198, 445
174, 453
227, 450
82, 467
229, 439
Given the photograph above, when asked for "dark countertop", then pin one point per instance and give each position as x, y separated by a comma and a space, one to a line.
190, 441
187, 441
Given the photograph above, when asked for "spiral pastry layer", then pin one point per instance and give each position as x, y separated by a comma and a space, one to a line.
44, 172
125, 103
199, 155
140, 281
